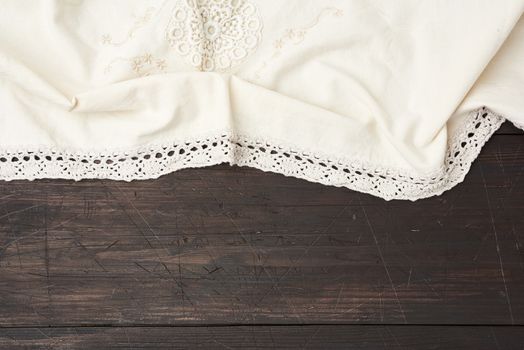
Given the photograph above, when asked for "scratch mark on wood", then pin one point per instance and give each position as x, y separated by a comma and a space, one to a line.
311, 337
178, 283
372, 230
139, 213
294, 264
257, 255
111, 245
20, 211
339, 294
495, 340
46, 251
494, 229
394, 337
142, 267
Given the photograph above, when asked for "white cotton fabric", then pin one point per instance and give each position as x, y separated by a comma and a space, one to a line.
393, 98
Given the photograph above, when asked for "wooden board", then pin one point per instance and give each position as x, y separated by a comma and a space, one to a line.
237, 246
509, 129
267, 337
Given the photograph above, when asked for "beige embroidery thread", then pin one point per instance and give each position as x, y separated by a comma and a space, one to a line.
142, 65
140, 22
295, 36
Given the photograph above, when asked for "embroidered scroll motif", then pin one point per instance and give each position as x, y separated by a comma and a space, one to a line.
139, 22
295, 36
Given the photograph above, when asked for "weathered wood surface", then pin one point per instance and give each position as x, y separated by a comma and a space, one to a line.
267, 337
509, 129
236, 246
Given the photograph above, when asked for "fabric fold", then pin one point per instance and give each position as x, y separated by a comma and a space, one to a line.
393, 99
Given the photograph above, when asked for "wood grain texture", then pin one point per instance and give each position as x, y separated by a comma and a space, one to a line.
266, 260
509, 129
267, 337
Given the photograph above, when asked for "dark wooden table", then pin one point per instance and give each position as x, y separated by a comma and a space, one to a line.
228, 257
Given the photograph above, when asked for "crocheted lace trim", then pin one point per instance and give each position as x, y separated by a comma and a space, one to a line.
519, 126
154, 160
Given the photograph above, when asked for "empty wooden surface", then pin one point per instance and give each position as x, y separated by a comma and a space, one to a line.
228, 257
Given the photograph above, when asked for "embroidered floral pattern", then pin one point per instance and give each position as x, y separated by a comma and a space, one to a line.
214, 35
295, 36
142, 65
139, 22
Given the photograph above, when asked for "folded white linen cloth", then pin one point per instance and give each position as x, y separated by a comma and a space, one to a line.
392, 98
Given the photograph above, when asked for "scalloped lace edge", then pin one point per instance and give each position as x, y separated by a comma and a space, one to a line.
519, 125
154, 160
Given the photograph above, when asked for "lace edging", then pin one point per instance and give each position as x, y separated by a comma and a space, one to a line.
154, 160
519, 125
